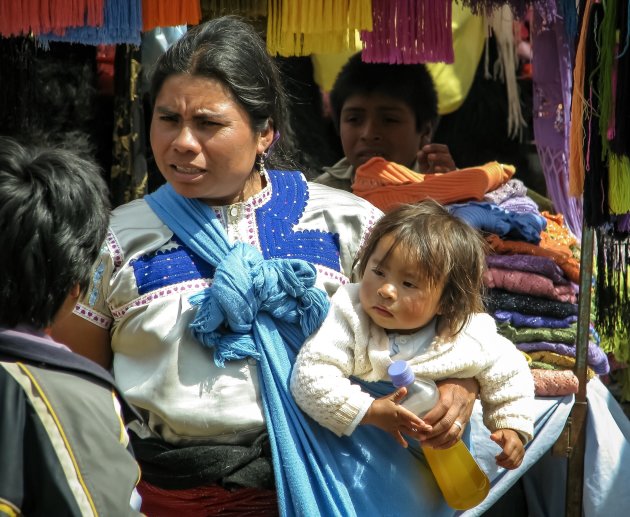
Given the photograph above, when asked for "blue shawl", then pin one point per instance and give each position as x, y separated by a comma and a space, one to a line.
265, 309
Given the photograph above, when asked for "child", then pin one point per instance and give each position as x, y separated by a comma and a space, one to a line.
419, 300
63, 440
386, 110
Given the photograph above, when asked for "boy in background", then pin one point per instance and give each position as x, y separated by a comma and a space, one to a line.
386, 110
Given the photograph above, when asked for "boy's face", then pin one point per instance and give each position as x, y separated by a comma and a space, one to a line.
378, 125
392, 292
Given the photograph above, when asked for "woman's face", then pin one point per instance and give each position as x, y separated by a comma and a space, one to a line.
378, 125
203, 143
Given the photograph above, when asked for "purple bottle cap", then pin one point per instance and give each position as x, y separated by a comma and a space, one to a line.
400, 373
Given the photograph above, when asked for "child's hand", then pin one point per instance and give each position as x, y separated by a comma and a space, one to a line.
513, 450
435, 158
388, 415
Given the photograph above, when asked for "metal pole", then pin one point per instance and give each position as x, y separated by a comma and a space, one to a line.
577, 419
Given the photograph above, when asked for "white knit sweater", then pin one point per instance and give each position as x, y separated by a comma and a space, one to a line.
348, 343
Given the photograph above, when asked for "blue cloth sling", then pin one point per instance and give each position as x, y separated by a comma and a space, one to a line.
265, 309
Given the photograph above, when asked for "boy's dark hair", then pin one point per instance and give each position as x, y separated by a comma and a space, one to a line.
54, 212
449, 250
411, 84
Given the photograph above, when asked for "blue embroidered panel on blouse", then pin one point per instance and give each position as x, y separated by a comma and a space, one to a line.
277, 218
168, 267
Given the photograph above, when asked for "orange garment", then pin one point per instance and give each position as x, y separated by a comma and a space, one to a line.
560, 255
556, 232
388, 184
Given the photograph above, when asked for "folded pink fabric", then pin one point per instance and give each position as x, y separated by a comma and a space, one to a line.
525, 282
554, 383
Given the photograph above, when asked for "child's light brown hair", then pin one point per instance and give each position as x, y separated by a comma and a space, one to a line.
450, 252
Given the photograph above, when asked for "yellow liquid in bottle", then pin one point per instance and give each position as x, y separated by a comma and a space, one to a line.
461, 480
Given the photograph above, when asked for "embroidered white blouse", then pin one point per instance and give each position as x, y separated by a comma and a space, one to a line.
144, 277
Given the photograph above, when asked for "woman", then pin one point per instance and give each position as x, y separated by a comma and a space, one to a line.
223, 214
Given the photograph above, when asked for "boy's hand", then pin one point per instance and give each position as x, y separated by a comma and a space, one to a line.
388, 415
435, 158
513, 450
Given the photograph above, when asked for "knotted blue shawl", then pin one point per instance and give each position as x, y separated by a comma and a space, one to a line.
265, 309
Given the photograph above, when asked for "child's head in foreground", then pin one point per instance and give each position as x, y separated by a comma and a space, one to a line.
54, 212
419, 262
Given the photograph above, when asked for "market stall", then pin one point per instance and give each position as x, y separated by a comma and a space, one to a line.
580, 68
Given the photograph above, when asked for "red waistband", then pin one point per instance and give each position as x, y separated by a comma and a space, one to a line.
207, 501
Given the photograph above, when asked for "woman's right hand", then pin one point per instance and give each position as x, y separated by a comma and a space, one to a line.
457, 398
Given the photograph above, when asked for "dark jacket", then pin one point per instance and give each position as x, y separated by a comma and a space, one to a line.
63, 443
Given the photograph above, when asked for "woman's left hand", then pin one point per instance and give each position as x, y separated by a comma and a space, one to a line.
452, 412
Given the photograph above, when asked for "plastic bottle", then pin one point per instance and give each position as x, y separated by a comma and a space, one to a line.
462, 482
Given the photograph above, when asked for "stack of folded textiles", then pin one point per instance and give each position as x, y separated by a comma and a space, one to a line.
532, 275
533, 263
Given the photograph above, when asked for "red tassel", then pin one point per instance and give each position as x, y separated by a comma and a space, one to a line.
45, 16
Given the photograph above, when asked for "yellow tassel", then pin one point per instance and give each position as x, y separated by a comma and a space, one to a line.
576, 131
316, 26
619, 183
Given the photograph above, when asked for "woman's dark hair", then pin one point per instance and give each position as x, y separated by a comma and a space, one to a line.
54, 212
448, 251
230, 50
411, 84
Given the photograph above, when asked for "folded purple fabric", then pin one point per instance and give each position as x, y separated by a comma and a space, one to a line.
516, 319
513, 188
532, 263
520, 205
596, 358
525, 282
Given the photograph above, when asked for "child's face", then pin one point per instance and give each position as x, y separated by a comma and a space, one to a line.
378, 125
392, 292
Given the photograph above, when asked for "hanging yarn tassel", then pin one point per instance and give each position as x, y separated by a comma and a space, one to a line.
568, 12
619, 189
166, 13
620, 140
250, 9
576, 133
596, 179
517, 7
316, 26
612, 295
122, 24
607, 72
46, 16
501, 23
409, 32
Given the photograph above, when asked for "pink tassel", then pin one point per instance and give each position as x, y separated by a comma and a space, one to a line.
409, 31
